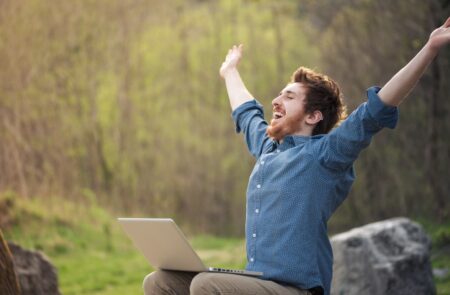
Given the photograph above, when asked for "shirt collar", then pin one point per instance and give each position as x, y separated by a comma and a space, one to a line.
300, 139
292, 140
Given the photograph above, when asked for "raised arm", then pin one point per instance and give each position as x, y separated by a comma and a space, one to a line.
404, 81
237, 92
248, 114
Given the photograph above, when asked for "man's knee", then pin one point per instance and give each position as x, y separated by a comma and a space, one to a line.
168, 282
153, 282
210, 283
200, 284
149, 284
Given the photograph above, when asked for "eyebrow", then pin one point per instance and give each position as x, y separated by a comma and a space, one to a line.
289, 92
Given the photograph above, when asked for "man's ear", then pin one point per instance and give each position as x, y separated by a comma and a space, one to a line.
314, 117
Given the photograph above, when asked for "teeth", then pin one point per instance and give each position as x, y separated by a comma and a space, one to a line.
277, 115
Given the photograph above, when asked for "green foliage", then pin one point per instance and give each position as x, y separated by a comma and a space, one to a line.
100, 100
442, 237
440, 252
403, 172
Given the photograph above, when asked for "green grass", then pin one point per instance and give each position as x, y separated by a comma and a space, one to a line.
94, 256
440, 252
90, 250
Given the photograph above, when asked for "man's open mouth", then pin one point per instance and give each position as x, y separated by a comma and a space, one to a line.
277, 115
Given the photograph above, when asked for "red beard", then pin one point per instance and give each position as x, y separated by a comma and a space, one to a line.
278, 129
275, 131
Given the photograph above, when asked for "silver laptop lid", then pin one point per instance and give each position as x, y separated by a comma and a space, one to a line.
162, 243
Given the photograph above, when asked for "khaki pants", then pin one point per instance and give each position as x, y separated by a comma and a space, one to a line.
180, 282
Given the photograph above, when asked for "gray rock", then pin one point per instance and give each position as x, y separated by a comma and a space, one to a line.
387, 257
35, 273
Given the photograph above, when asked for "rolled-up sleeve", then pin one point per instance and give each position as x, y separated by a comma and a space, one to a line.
384, 115
341, 147
249, 118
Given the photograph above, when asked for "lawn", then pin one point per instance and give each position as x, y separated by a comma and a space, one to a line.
94, 256
90, 250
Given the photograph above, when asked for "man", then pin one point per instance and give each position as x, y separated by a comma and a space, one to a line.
303, 172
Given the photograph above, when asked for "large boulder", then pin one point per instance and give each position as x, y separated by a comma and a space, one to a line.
387, 257
35, 273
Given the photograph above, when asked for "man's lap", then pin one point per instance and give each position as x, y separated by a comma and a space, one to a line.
178, 282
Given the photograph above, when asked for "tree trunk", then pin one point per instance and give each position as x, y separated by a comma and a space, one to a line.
8, 279
279, 46
434, 117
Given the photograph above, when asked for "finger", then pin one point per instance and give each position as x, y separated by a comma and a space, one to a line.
240, 47
447, 23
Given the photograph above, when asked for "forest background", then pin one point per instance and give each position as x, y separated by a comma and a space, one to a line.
115, 108
120, 102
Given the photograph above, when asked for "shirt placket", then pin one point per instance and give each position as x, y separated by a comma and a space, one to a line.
257, 209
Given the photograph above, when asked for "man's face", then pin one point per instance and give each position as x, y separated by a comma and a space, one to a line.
289, 117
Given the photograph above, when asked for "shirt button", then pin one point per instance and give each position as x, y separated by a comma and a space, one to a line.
254, 235
262, 162
256, 211
251, 259
258, 186
278, 151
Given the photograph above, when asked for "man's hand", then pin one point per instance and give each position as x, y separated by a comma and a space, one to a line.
440, 37
237, 92
399, 86
231, 60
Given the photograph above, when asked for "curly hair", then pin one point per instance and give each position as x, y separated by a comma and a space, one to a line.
323, 94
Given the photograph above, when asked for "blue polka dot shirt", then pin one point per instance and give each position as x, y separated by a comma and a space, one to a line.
296, 186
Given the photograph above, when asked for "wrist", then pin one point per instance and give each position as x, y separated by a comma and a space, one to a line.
431, 48
229, 72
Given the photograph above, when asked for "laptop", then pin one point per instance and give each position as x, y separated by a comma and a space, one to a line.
165, 246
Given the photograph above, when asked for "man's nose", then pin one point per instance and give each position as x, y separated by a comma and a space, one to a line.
275, 101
